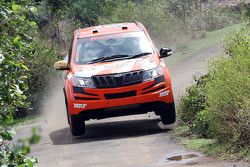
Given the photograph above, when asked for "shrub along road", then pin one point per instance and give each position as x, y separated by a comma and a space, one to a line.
138, 140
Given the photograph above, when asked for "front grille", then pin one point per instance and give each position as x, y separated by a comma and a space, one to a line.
118, 80
120, 95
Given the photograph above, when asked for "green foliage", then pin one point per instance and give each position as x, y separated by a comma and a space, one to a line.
183, 131
41, 74
170, 23
246, 12
194, 102
201, 15
228, 93
192, 109
15, 155
220, 108
88, 11
238, 44
200, 125
152, 15
16, 48
199, 143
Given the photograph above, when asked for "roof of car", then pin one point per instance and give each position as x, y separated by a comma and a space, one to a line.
109, 29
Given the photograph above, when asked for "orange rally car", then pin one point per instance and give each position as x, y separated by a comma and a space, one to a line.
115, 70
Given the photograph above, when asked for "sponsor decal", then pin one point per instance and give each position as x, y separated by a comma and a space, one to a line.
118, 75
80, 105
164, 93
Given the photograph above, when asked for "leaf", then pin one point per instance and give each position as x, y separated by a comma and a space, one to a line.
25, 150
33, 160
6, 135
7, 119
16, 39
16, 7
11, 132
18, 90
25, 67
35, 138
4, 166
1, 57
23, 77
33, 24
34, 10
29, 163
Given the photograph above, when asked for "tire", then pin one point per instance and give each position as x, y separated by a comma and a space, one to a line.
167, 113
77, 125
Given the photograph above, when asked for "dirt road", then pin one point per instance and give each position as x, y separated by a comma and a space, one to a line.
133, 141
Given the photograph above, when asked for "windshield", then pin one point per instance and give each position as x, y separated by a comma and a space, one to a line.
123, 44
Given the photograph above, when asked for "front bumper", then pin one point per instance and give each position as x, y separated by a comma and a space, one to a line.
93, 99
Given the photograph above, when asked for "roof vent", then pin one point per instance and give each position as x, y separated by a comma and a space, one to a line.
124, 28
95, 31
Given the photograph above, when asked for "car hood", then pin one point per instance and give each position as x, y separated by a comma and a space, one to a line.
120, 66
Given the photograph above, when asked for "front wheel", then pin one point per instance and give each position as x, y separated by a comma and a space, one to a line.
167, 113
77, 125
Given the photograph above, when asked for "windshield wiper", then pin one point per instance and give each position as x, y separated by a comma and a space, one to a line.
105, 58
140, 55
119, 57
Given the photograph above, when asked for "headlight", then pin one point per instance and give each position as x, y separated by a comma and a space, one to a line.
83, 82
152, 74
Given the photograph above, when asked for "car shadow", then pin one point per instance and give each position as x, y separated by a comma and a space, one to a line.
108, 131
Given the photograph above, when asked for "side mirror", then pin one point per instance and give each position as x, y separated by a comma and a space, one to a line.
61, 65
165, 52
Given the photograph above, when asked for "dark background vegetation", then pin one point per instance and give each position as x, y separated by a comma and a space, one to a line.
34, 34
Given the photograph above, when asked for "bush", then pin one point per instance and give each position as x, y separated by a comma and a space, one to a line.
218, 106
192, 109
15, 41
200, 125
228, 93
194, 102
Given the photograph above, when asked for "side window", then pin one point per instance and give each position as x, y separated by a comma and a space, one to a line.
68, 57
